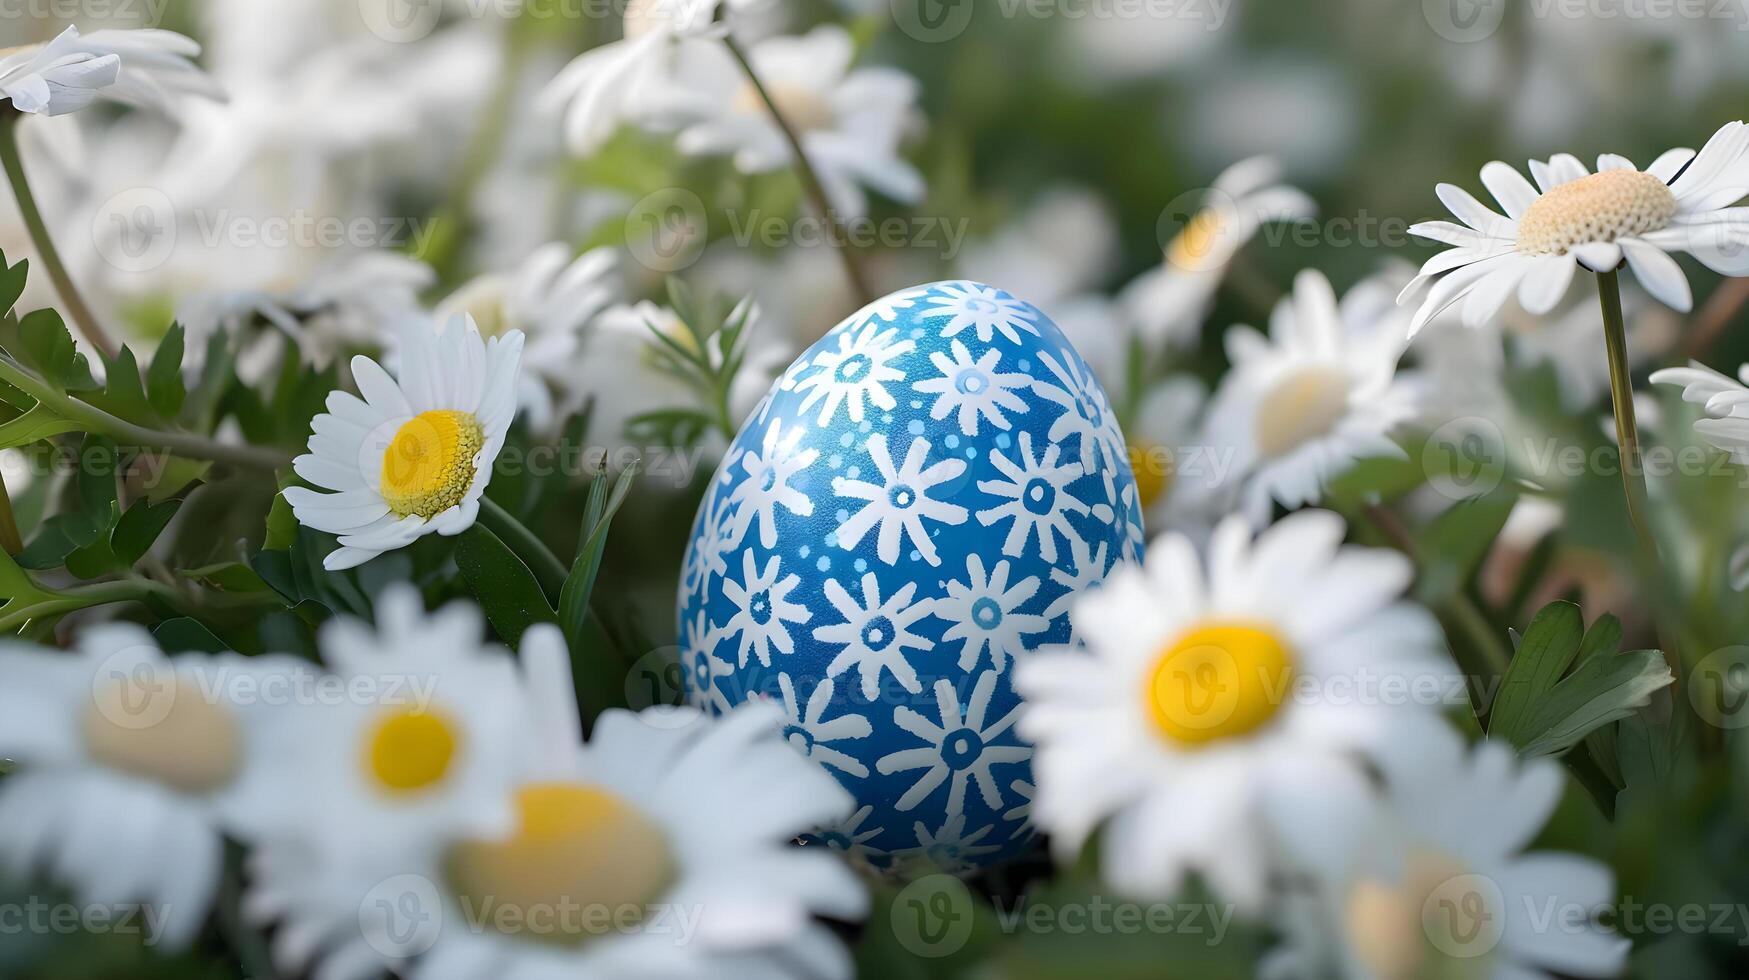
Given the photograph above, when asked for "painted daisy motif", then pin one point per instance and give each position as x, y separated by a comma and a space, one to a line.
849, 120
1088, 567
1572, 217
1205, 679
130, 764
848, 837
898, 505
949, 850
808, 732
986, 310
409, 457
1036, 498
767, 484
152, 68
1169, 303
710, 557
1430, 877
550, 297
1086, 418
763, 610
984, 611
1321, 391
968, 389
962, 748
856, 374
875, 633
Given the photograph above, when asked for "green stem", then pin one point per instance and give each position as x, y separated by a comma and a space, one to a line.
815, 190
13, 616
39, 236
10, 540
548, 570
94, 419
1627, 436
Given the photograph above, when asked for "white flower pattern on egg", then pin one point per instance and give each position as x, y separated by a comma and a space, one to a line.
910, 511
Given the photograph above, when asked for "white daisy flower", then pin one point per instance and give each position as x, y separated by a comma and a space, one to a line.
766, 483
808, 732
1725, 400
898, 505
961, 748
616, 82
1204, 679
762, 608
412, 456
849, 121
875, 633
856, 373
1573, 217
1177, 477
142, 67
984, 611
1169, 303
1036, 497
970, 388
1301, 405
130, 764
1431, 878
549, 298
985, 309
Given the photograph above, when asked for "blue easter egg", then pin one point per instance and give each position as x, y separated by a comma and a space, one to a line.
911, 509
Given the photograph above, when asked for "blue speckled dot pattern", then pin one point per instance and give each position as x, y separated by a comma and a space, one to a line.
910, 509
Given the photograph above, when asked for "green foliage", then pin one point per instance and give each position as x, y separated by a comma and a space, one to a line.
707, 358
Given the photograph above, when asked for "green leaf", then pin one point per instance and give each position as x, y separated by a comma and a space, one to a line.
598, 517
1455, 543
58, 537
98, 458
1603, 639
48, 347
36, 424
139, 527
1602, 690
503, 585
123, 394
1549, 645
185, 635
282, 524
164, 388
12, 283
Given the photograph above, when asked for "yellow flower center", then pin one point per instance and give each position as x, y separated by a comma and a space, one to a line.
581, 862
410, 750
1221, 680
1196, 241
163, 729
1153, 467
1599, 208
801, 106
1301, 407
1439, 921
429, 465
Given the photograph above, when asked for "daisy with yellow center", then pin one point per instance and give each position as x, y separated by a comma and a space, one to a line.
130, 766
638, 853
410, 456
1425, 876
1169, 303
1204, 679
1303, 404
1571, 217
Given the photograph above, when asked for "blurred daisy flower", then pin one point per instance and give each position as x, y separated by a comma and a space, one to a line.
1208, 677
1572, 217
412, 456
150, 68
1724, 399
1430, 878
550, 298
130, 763
1164, 447
1168, 303
425, 744
1321, 391
849, 121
